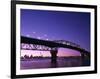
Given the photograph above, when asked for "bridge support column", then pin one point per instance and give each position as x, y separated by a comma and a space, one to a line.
54, 56
85, 59
82, 58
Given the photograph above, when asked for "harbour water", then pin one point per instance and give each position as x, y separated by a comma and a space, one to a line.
37, 63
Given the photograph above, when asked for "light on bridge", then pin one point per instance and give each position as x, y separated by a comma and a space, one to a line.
28, 35
38, 37
68, 43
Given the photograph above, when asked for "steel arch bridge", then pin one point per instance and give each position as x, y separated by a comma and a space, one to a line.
52, 46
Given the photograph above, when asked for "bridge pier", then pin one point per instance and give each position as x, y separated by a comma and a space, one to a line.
54, 56
82, 55
82, 58
85, 59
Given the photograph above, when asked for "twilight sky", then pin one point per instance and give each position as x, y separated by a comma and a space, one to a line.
56, 25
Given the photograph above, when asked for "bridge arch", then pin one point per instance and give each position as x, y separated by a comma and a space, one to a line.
53, 46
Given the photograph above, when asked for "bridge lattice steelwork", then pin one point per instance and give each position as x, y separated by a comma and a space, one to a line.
52, 46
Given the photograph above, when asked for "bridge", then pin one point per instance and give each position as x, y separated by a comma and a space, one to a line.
28, 43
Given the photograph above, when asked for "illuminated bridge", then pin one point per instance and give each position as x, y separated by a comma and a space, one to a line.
52, 46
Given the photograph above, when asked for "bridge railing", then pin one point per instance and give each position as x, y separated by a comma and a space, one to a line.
67, 43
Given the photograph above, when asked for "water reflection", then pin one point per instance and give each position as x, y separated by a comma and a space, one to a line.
37, 63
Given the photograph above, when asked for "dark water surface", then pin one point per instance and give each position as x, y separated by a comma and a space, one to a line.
37, 63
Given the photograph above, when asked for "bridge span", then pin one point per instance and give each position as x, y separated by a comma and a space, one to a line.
52, 46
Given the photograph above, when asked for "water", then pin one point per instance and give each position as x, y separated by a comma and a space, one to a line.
38, 63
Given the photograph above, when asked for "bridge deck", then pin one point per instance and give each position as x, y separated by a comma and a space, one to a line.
50, 44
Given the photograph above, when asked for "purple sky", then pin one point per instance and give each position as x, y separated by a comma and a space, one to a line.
57, 25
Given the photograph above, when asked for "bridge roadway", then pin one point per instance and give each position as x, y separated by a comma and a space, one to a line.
54, 45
